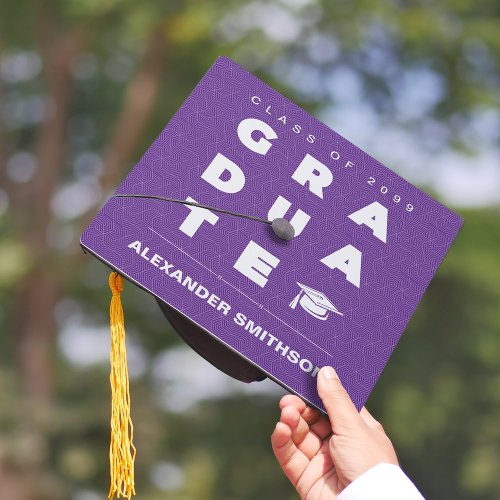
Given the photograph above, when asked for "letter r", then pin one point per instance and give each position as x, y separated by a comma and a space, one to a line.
316, 173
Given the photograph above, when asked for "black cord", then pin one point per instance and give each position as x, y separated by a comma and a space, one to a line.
193, 204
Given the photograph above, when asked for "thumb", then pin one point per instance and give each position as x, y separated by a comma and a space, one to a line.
341, 411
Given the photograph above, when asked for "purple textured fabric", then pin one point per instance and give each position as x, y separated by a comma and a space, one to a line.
301, 313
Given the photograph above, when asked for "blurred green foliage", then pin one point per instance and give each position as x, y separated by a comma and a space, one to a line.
439, 397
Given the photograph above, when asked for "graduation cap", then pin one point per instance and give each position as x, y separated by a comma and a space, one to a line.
242, 197
315, 303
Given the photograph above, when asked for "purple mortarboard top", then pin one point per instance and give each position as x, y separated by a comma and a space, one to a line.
340, 292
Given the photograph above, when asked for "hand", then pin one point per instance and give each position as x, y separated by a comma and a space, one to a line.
323, 456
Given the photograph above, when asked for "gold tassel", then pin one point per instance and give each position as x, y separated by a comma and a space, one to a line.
121, 450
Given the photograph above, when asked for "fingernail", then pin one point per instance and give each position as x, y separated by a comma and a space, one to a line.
329, 373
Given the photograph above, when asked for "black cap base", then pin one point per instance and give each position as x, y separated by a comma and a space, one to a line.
208, 347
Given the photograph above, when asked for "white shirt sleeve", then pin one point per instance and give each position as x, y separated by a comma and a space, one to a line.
382, 482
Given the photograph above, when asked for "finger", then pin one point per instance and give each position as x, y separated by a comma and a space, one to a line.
341, 410
291, 459
317, 422
292, 400
317, 478
305, 440
369, 420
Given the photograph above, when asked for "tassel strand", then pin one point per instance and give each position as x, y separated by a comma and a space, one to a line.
121, 450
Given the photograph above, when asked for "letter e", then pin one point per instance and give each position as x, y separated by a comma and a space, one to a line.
256, 263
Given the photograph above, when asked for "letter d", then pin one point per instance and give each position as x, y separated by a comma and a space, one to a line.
201, 292
217, 167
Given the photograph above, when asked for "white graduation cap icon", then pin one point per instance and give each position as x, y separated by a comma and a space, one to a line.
314, 302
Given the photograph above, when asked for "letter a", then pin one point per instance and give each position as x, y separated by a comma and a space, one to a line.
136, 245
348, 261
375, 217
